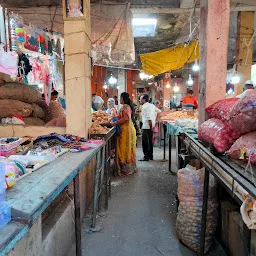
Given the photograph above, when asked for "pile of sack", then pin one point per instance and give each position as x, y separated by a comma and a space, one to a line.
190, 194
25, 101
232, 126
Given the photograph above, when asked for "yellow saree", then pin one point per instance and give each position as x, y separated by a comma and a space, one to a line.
126, 144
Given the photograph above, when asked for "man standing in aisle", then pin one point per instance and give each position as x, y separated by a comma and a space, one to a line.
148, 123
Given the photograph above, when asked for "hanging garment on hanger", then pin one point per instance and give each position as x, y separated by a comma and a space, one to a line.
2, 27
8, 62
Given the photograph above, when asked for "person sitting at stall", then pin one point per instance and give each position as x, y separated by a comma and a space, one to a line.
111, 108
97, 102
126, 141
190, 99
248, 85
57, 113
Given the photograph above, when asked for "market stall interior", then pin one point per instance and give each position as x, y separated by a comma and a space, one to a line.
82, 81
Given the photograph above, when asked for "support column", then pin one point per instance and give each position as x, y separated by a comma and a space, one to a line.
78, 75
214, 30
167, 91
244, 47
129, 82
121, 82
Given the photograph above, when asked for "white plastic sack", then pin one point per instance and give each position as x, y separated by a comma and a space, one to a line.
190, 194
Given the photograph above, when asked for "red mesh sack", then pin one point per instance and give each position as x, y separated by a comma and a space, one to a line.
242, 117
218, 133
244, 148
221, 109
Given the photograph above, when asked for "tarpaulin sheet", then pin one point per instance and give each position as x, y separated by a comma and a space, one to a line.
112, 38
172, 58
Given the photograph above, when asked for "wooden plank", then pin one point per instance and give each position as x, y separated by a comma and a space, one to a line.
31, 196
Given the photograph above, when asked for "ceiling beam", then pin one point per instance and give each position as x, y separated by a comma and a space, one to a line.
156, 10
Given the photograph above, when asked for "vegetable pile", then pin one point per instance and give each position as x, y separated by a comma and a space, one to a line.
100, 117
98, 129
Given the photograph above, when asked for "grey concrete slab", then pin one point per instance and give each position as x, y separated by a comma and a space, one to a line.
141, 216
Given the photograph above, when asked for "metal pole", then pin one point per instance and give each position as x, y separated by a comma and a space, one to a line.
204, 211
164, 126
170, 153
77, 215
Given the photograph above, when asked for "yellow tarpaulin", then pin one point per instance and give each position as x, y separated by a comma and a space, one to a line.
173, 58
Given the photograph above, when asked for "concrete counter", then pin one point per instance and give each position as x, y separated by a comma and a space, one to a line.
31, 196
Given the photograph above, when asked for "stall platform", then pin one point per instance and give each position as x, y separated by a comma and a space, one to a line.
31, 196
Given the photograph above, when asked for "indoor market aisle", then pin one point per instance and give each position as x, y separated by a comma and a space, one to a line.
141, 216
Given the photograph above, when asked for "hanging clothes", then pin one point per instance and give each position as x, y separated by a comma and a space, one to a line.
2, 27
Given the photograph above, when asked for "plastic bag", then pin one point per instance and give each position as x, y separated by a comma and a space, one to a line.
248, 212
190, 194
218, 133
242, 117
221, 109
244, 148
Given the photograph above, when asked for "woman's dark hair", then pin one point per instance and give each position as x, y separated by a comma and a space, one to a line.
127, 100
145, 97
54, 93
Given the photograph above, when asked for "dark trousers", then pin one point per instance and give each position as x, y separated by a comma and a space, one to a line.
147, 143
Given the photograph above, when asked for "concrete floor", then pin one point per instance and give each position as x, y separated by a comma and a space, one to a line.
141, 215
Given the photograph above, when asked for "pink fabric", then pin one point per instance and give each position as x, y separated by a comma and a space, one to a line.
9, 63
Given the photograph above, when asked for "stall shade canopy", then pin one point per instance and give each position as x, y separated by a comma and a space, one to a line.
172, 58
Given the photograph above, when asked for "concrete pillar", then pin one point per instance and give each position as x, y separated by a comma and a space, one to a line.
121, 82
214, 30
78, 74
129, 82
166, 91
244, 47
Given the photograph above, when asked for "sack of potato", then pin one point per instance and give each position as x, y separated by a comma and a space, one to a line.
100, 117
98, 129
10, 108
22, 92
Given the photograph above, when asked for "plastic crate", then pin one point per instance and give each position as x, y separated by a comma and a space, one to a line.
9, 146
5, 214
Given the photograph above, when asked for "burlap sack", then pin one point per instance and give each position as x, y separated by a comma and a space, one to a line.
33, 121
22, 92
38, 112
10, 108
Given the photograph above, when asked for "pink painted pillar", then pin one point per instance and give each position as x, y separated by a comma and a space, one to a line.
214, 30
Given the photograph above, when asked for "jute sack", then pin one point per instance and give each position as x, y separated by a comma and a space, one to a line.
22, 92
10, 108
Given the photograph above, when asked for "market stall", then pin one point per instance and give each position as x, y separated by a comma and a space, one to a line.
225, 147
172, 121
30, 194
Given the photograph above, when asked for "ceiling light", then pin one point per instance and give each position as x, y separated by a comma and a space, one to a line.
195, 67
117, 87
144, 76
144, 21
235, 79
176, 88
105, 86
190, 80
112, 80
168, 85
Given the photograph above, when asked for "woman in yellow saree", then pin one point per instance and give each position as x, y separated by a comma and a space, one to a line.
126, 141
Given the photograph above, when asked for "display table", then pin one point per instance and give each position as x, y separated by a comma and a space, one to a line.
31, 196
109, 139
